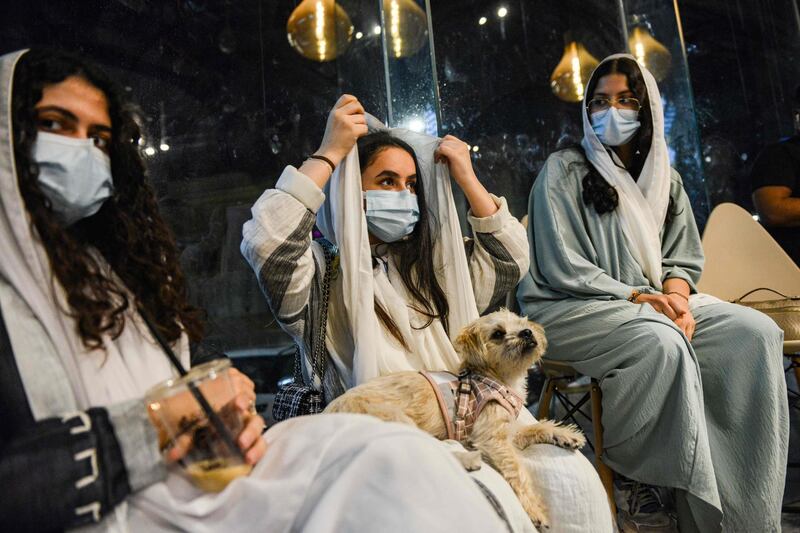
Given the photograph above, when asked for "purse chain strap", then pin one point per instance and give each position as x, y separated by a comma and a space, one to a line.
317, 357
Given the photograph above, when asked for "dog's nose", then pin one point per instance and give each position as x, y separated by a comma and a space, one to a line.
526, 334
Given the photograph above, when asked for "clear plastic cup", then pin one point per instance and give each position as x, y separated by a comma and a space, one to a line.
212, 459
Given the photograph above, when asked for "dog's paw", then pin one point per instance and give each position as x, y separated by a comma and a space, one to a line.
569, 438
471, 461
537, 515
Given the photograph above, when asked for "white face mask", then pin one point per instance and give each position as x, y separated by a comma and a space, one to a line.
391, 215
74, 175
615, 127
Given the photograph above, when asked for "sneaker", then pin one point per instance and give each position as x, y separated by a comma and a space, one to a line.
641, 509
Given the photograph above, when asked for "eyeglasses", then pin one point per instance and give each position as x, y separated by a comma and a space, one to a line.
601, 103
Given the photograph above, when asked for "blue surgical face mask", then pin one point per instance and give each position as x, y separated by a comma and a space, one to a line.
74, 175
391, 215
615, 127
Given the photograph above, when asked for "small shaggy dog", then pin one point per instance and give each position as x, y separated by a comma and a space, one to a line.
497, 350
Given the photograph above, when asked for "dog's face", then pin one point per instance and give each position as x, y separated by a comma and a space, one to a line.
502, 342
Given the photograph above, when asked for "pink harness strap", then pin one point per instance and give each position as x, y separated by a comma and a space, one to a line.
469, 394
440, 381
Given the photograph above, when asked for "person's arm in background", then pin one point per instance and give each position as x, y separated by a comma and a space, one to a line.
776, 206
772, 180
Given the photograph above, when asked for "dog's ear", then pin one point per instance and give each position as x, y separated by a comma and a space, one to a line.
469, 343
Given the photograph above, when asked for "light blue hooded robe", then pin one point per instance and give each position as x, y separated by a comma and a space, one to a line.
707, 417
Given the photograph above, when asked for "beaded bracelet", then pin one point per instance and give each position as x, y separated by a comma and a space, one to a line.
635, 294
325, 159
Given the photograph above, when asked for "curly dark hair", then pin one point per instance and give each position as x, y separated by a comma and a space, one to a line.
413, 254
597, 191
128, 231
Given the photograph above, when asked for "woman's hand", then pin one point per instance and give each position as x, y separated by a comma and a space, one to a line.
659, 302
687, 324
249, 439
678, 303
346, 123
673, 307
455, 153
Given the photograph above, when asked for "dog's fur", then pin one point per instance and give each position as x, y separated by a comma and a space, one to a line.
502, 346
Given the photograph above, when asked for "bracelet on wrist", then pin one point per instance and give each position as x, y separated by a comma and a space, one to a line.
325, 159
632, 298
676, 293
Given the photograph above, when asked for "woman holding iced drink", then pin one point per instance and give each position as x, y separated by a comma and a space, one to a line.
86, 256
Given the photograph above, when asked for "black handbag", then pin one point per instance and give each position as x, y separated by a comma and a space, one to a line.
299, 398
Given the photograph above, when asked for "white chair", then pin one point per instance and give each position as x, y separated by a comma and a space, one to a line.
741, 256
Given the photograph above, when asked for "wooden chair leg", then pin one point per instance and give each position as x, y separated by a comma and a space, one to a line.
547, 397
606, 475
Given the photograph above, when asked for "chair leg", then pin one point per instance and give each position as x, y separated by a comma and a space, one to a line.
547, 397
606, 475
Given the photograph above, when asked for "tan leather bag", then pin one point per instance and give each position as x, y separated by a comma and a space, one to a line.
784, 311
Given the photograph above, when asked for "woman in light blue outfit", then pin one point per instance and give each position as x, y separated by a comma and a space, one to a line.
694, 396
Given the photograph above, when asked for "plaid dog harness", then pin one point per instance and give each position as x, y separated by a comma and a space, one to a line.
462, 398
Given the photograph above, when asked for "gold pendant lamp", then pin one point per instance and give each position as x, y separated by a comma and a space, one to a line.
319, 29
649, 52
406, 27
568, 80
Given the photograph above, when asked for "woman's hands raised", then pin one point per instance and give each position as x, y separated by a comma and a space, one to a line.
456, 154
346, 123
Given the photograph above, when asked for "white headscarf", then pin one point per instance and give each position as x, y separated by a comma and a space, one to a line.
67, 376
642, 203
341, 219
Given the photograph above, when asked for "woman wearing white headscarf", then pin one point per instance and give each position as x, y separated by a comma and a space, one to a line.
406, 283
406, 279
84, 252
694, 396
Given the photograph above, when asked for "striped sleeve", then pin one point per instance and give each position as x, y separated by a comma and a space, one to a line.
498, 256
277, 244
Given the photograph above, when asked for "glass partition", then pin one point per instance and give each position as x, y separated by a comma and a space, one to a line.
655, 38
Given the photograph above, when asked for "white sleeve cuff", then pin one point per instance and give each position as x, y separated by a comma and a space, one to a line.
492, 223
303, 188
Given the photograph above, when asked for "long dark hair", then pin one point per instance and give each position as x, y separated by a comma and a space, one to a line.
597, 191
128, 230
414, 254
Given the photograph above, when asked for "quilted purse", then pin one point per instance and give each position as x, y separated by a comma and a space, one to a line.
784, 311
299, 398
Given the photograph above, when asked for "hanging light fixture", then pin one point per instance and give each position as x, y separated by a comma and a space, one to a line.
319, 29
406, 27
649, 53
568, 80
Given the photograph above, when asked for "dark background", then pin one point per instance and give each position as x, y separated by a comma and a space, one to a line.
218, 82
